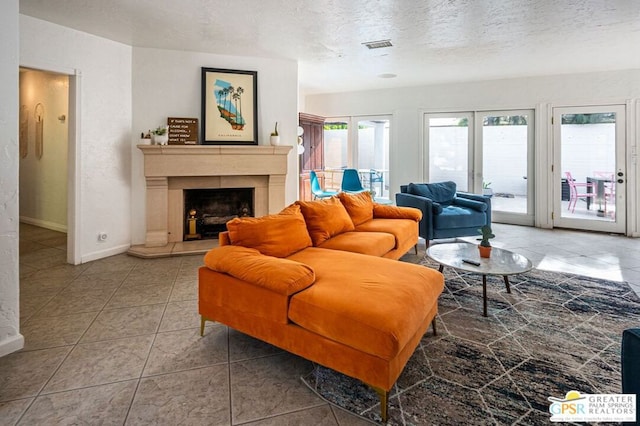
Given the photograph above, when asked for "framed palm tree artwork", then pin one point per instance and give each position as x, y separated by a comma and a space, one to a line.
229, 107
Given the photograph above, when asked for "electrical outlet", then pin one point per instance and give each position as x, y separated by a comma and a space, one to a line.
102, 236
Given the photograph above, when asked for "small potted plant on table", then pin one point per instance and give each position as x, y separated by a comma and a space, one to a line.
485, 246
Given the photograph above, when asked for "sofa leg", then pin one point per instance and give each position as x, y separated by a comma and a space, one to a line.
384, 402
202, 321
416, 248
433, 324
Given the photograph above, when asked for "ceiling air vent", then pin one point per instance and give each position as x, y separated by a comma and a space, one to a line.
378, 44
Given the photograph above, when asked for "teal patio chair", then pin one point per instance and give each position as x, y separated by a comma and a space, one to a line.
317, 190
351, 181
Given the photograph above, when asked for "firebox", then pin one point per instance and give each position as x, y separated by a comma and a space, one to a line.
206, 211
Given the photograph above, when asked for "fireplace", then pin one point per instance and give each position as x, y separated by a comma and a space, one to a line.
206, 211
170, 170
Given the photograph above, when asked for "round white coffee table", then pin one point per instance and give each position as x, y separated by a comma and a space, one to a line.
502, 262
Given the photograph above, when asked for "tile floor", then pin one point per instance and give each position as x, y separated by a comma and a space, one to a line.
116, 341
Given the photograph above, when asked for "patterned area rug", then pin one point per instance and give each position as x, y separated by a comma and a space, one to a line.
553, 333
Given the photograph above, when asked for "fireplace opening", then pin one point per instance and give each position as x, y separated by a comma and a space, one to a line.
206, 211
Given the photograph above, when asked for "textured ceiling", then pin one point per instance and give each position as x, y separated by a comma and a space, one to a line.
434, 41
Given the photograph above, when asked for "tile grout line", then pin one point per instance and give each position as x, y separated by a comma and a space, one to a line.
146, 361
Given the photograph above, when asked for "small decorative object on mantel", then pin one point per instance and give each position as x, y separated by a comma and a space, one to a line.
183, 131
160, 136
275, 137
485, 245
145, 139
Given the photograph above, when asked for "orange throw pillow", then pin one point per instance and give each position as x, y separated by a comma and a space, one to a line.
359, 206
278, 235
325, 218
283, 276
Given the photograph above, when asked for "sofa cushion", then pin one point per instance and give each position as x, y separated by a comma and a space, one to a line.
358, 205
325, 218
276, 235
440, 192
401, 229
282, 276
357, 299
459, 217
371, 243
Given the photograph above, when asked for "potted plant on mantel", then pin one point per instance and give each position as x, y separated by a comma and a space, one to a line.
485, 246
160, 136
275, 137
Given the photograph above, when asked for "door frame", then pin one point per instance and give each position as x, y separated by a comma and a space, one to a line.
74, 210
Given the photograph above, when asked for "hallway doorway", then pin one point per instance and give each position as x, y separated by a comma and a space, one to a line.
47, 132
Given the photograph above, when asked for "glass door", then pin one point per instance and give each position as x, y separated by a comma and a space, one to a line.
372, 153
589, 172
504, 166
336, 151
449, 150
360, 143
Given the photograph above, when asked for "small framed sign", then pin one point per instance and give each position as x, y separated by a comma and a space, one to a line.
183, 131
229, 107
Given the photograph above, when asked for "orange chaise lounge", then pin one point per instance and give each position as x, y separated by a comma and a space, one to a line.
321, 280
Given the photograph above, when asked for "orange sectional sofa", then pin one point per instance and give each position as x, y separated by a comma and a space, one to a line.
321, 280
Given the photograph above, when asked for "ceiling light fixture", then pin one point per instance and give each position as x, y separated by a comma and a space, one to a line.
378, 44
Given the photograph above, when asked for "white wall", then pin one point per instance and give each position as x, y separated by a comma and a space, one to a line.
168, 84
102, 70
43, 181
10, 339
409, 104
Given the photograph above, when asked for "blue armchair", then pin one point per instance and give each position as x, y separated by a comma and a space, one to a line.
445, 212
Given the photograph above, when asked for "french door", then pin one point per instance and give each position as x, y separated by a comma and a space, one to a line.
485, 152
589, 172
361, 143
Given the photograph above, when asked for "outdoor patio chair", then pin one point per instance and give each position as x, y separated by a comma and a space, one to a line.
578, 190
609, 187
351, 181
317, 190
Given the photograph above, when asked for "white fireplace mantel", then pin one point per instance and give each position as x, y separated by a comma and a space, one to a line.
170, 169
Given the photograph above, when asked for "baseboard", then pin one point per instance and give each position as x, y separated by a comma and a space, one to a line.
105, 253
11, 344
44, 224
